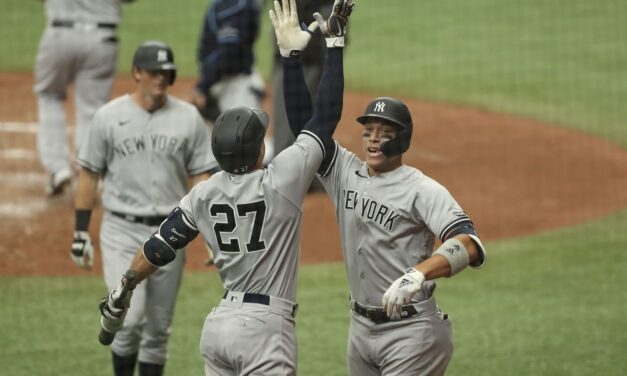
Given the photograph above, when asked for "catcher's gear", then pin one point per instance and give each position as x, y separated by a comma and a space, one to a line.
155, 55
82, 252
291, 38
114, 306
334, 28
237, 138
401, 291
396, 112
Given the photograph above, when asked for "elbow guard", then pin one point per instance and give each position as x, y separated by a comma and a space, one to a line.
174, 233
157, 252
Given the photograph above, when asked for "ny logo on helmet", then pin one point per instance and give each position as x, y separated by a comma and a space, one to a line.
162, 55
378, 107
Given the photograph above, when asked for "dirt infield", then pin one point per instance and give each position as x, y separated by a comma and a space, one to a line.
513, 176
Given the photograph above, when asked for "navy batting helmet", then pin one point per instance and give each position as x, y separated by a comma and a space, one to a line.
395, 112
155, 55
237, 137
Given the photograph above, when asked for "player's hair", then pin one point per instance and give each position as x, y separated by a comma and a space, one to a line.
237, 137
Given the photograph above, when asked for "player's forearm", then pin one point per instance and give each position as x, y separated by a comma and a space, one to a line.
330, 96
142, 267
298, 105
438, 266
86, 189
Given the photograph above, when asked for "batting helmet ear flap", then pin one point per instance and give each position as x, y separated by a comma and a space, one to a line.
399, 144
396, 112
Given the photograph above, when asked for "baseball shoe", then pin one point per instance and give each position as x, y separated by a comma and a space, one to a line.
58, 182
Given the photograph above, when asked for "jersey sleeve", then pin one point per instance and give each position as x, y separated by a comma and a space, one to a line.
92, 153
294, 168
333, 174
439, 210
186, 205
200, 158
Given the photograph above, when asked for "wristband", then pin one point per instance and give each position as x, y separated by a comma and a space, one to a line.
82, 219
335, 42
455, 252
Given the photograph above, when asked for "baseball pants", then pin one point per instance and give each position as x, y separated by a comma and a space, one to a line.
146, 327
420, 345
67, 55
250, 339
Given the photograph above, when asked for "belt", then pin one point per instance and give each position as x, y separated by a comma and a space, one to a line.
379, 316
252, 298
281, 305
148, 221
83, 25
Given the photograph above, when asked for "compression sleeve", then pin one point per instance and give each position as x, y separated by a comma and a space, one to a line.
297, 97
329, 103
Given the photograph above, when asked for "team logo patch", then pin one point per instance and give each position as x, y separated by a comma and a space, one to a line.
162, 55
379, 106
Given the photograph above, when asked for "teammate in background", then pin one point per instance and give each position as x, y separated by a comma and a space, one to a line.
144, 145
251, 217
79, 45
389, 215
313, 63
228, 76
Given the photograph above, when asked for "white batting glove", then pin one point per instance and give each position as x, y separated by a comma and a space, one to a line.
334, 28
82, 252
401, 291
113, 310
289, 35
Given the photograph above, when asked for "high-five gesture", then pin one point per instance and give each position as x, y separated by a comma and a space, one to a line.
334, 28
291, 38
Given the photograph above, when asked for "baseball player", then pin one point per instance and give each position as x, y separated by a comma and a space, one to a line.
79, 45
227, 73
143, 146
251, 217
389, 215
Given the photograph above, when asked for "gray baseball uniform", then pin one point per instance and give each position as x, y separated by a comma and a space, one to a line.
145, 159
252, 223
388, 223
79, 45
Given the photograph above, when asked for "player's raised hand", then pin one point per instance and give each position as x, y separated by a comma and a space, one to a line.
401, 291
82, 252
290, 36
334, 28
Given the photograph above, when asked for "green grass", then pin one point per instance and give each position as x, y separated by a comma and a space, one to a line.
554, 61
550, 304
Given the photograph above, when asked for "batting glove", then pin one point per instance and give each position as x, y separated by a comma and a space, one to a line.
401, 291
334, 28
291, 37
82, 252
114, 308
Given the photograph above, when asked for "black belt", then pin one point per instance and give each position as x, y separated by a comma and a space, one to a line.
379, 316
148, 221
259, 299
65, 23
252, 298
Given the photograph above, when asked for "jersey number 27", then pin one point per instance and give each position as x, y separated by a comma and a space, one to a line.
254, 243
